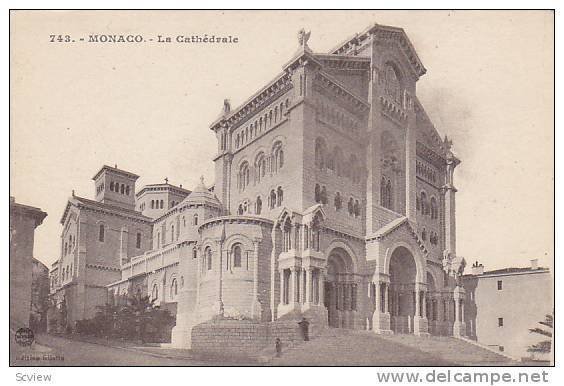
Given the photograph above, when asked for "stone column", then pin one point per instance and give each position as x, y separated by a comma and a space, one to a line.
218, 307
410, 157
281, 286
292, 296
420, 323
449, 196
417, 300
321, 287
256, 308
381, 317
308, 285
387, 298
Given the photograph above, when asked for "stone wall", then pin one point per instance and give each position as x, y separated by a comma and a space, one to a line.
243, 336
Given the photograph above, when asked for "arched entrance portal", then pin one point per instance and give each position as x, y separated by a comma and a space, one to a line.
402, 295
341, 290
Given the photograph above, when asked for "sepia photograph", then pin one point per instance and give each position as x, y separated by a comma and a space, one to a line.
282, 188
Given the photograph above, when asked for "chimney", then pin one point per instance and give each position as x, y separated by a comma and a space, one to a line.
477, 268
534, 264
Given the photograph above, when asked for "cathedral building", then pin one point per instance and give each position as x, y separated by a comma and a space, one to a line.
333, 200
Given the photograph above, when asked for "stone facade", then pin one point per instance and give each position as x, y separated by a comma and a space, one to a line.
23, 221
98, 237
333, 200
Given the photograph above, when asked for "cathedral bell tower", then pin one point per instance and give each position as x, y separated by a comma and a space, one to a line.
115, 187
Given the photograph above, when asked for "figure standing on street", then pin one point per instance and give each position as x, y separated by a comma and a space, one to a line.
304, 326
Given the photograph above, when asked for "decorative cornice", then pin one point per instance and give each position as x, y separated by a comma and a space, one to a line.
103, 267
235, 220
430, 155
383, 33
344, 62
280, 85
115, 170
392, 110
163, 188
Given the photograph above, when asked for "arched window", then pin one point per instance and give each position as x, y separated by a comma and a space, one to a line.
338, 159
424, 203
392, 85
354, 169
195, 219
338, 201
356, 208
237, 255
277, 157
152, 204
323, 195
194, 253
279, 196
258, 205
155, 292
240, 210
320, 153
112, 186
317, 193
127, 190
138, 240
386, 193
434, 209
350, 206
101, 233
389, 194
173, 289
260, 167
272, 199
424, 235
65, 249
209, 258
122, 189
417, 203
244, 174
280, 158
172, 233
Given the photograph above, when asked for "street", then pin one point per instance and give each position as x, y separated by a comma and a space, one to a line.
66, 352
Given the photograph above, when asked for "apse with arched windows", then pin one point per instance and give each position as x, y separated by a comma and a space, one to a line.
401, 293
341, 290
392, 182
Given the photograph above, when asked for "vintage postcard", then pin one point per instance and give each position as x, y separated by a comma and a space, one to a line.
281, 188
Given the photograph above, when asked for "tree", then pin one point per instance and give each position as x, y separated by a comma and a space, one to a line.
142, 307
545, 345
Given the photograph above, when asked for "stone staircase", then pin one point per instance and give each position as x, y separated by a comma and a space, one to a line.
340, 347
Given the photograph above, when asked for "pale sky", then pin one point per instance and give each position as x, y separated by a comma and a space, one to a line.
148, 107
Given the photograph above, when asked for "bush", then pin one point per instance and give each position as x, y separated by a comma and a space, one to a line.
140, 319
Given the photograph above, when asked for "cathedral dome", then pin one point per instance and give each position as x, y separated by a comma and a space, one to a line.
201, 195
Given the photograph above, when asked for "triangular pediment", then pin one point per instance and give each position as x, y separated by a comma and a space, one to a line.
401, 224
